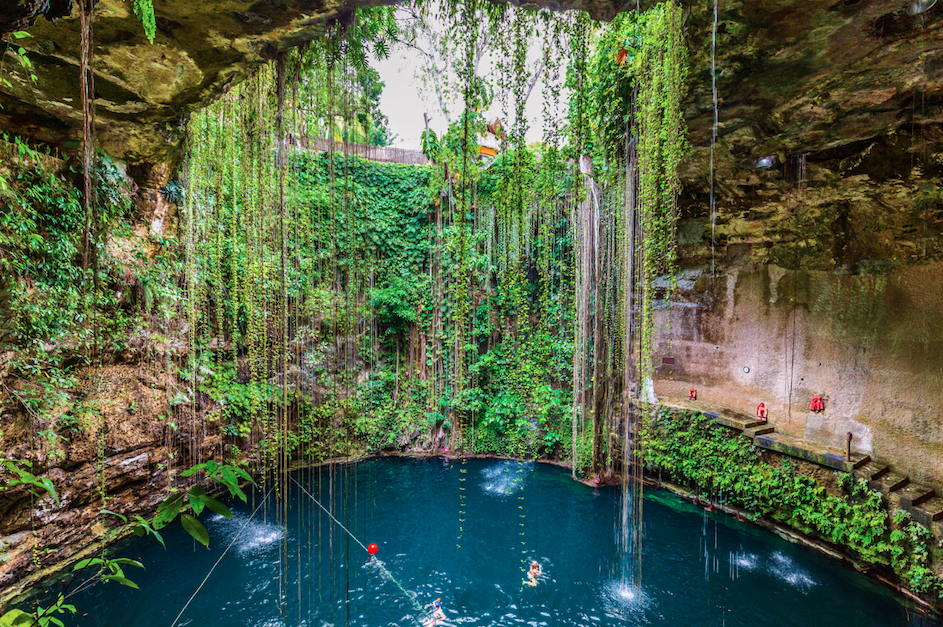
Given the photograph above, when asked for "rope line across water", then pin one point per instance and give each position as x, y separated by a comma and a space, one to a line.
419, 608
205, 579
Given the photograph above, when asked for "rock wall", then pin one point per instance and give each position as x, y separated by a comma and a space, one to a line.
828, 281
870, 345
115, 457
822, 268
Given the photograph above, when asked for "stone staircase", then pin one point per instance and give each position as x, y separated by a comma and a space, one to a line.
920, 501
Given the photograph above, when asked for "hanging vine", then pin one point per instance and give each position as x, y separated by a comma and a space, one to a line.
660, 68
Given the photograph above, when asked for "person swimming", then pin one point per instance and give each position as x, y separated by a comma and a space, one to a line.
437, 615
534, 574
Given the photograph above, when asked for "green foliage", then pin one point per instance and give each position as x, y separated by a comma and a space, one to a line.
238, 401
660, 67
21, 55
173, 191
110, 569
41, 217
34, 485
55, 314
197, 499
910, 544
42, 617
144, 9
611, 89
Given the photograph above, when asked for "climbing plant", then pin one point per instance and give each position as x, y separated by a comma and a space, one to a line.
692, 450
144, 9
660, 65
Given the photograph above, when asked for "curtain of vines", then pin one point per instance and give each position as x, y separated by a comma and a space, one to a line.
546, 255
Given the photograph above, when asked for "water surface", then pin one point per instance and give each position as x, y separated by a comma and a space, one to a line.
465, 532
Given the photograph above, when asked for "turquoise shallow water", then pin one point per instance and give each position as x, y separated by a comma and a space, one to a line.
465, 532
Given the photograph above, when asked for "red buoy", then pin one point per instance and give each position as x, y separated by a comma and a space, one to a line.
372, 549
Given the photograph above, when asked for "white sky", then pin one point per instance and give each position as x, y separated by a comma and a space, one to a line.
400, 100
404, 105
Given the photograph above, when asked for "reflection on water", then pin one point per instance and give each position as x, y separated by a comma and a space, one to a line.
301, 569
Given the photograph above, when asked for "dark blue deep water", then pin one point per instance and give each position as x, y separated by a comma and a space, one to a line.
465, 532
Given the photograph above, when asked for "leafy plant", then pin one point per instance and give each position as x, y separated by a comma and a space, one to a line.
198, 500
36, 486
696, 452
144, 9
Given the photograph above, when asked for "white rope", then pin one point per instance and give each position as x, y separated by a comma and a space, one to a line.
205, 579
339, 524
378, 563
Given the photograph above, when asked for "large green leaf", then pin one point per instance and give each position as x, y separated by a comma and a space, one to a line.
216, 506
17, 618
51, 489
192, 470
196, 495
124, 581
83, 563
196, 529
167, 511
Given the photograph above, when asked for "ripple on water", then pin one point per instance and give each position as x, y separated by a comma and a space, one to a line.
257, 535
625, 602
506, 477
746, 561
784, 568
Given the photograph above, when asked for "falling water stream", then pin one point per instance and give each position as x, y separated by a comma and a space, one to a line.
700, 568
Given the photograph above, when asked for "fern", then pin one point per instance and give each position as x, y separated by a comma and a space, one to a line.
144, 9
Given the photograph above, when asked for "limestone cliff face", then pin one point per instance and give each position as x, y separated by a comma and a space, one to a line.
826, 245
114, 458
870, 345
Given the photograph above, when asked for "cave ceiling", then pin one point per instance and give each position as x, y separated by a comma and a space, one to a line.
809, 76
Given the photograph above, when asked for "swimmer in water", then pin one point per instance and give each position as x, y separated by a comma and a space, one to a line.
534, 574
437, 615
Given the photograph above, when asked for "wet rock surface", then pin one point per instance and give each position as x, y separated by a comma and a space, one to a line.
113, 458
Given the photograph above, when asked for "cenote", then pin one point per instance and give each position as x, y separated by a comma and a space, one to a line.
350, 253
465, 532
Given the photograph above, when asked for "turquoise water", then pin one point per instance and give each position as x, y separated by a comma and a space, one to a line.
465, 533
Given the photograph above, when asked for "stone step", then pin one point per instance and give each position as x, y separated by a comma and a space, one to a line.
734, 420
752, 432
810, 451
929, 511
872, 470
912, 495
840, 462
889, 482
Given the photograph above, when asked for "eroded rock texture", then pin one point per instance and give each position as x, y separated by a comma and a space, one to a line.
112, 457
826, 244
